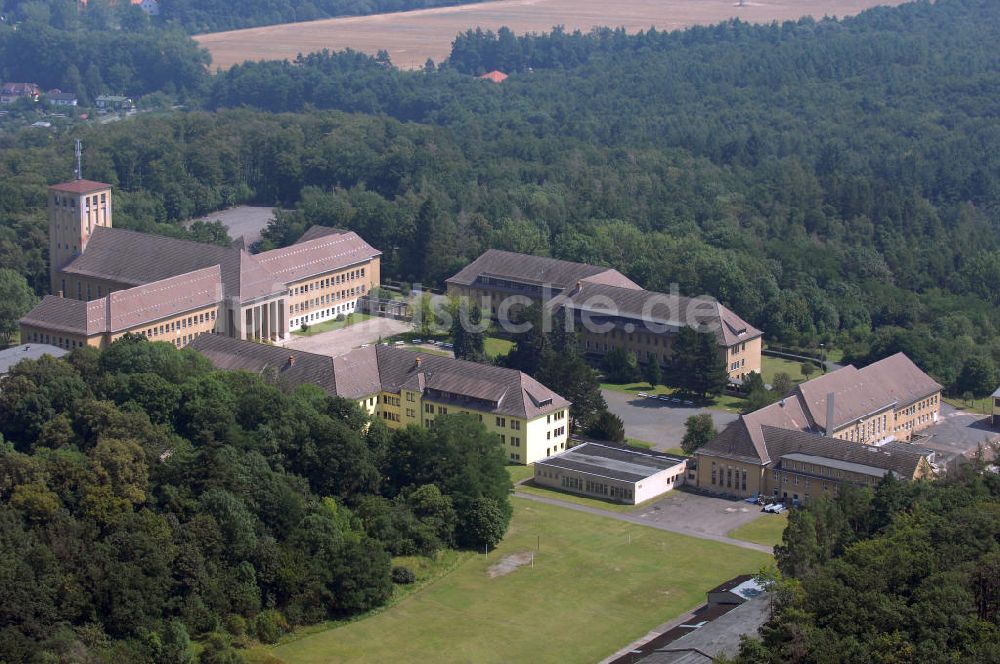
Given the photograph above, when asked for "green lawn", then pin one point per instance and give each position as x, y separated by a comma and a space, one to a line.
565, 496
518, 473
724, 402
327, 326
595, 584
496, 347
773, 365
766, 529
982, 406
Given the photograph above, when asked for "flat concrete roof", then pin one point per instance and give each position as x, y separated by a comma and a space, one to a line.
610, 462
11, 356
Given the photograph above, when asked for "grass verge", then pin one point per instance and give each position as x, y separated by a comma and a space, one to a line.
593, 585
766, 529
330, 325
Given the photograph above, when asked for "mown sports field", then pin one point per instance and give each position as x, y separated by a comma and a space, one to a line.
594, 585
412, 37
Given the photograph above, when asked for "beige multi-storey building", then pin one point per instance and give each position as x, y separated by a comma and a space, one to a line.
866, 411
609, 310
403, 388
163, 287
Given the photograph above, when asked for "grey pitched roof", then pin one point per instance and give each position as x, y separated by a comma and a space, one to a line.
670, 311
537, 270
132, 258
522, 395
894, 380
129, 308
62, 314
291, 366
11, 356
719, 637
366, 371
860, 392
842, 454
80, 186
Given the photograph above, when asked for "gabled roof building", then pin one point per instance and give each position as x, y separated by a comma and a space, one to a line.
853, 423
608, 309
108, 281
403, 387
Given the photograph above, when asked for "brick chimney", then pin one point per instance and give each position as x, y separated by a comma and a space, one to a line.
829, 413
291, 360
419, 360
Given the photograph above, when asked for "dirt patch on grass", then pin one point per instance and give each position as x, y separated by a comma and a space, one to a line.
510, 563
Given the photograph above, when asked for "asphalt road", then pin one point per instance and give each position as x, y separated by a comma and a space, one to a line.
658, 422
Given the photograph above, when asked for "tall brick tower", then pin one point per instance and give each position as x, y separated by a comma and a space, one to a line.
75, 209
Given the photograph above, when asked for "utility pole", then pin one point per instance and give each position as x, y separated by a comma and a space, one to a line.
79, 160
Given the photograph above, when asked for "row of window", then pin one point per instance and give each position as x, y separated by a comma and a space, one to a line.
728, 478
61, 342
69, 201
392, 417
391, 400
317, 315
329, 298
558, 415
328, 282
738, 364
183, 323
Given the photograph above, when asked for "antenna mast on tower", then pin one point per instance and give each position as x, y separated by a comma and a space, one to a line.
79, 158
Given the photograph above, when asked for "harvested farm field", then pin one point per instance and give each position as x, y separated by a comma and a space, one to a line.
412, 37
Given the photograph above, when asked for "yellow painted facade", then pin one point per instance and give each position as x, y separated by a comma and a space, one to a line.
178, 330
795, 481
325, 296
525, 440
73, 215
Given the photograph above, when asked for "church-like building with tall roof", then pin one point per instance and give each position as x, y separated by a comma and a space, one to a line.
107, 281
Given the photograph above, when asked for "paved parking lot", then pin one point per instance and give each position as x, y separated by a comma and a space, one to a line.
957, 432
338, 342
658, 422
700, 514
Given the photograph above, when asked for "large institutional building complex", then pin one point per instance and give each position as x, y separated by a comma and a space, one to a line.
849, 425
403, 387
108, 281
620, 313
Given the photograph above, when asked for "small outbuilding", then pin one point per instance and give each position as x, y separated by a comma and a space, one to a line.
737, 590
495, 76
620, 474
995, 419
11, 356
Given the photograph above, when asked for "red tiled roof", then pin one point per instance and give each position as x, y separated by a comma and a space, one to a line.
495, 76
80, 186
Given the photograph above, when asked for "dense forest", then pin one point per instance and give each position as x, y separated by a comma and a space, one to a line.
832, 181
194, 16
146, 500
907, 573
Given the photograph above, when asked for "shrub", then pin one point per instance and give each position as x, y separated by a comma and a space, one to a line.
270, 625
403, 575
236, 624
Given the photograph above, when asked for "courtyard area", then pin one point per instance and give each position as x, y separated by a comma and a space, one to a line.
564, 586
656, 421
346, 338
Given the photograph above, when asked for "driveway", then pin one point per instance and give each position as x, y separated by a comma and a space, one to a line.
338, 342
958, 432
658, 422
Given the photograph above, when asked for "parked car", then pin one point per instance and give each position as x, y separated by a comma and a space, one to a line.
774, 508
